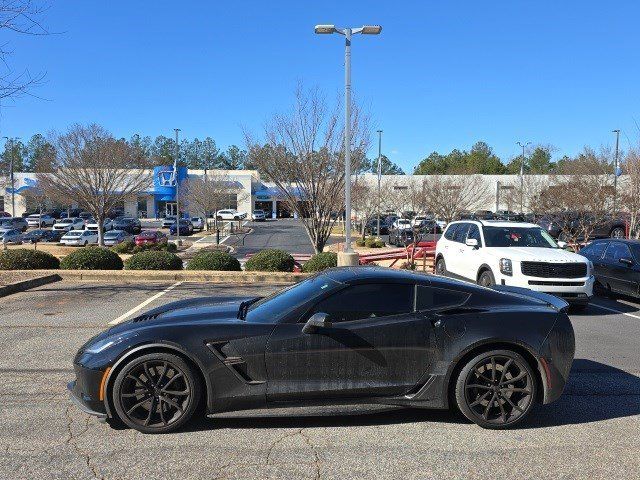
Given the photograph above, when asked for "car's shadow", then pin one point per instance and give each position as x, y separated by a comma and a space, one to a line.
595, 392
602, 304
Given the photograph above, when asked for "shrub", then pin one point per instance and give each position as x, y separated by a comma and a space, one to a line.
321, 261
216, 260
92, 258
270, 260
25, 259
154, 260
360, 242
374, 243
124, 247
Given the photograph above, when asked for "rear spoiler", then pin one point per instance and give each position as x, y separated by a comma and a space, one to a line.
556, 302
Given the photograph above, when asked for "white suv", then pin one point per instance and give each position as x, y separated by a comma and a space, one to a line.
514, 254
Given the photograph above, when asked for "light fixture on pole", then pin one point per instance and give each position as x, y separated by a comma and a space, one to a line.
348, 257
379, 175
523, 145
177, 180
616, 172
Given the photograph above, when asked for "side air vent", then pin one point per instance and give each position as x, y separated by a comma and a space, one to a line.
236, 364
144, 318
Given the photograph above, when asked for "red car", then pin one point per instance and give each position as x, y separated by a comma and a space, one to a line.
150, 237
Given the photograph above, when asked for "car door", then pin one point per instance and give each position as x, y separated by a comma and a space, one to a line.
376, 346
455, 262
619, 276
470, 258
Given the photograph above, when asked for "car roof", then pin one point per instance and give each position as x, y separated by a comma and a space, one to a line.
498, 223
633, 241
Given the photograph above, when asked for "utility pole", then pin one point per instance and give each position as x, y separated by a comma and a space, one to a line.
615, 172
379, 175
522, 176
175, 172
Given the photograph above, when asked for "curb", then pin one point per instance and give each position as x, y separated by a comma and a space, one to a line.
130, 276
28, 284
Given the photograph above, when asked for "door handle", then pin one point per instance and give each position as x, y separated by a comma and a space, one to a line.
435, 321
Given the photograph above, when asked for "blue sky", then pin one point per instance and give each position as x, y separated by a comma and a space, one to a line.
441, 75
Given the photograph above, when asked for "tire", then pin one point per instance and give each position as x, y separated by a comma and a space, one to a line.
86, 242
496, 400
486, 279
152, 415
441, 267
617, 232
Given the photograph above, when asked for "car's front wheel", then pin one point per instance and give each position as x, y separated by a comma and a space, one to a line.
486, 279
617, 232
441, 267
156, 393
496, 389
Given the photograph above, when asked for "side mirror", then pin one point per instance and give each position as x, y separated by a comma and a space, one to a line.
627, 261
316, 321
472, 242
562, 244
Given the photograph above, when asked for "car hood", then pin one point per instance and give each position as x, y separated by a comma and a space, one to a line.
536, 254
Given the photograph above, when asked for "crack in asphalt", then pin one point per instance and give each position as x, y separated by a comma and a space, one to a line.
72, 441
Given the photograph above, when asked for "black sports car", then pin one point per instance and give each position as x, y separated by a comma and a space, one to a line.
344, 336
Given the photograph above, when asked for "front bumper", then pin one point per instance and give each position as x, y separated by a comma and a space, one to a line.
572, 290
85, 391
558, 350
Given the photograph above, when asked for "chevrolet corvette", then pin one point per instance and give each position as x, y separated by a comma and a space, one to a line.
344, 336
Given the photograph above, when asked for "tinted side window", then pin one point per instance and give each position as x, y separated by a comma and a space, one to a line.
461, 233
366, 301
432, 298
450, 232
595, 250
616, 251
474, 233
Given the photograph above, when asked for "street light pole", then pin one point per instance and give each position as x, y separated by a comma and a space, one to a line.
349, 257
615, 172
522, 176
379, 174
175, 171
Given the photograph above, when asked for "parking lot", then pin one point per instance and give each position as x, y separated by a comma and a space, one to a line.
591, 432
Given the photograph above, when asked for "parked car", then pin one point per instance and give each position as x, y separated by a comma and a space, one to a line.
402, 224
186, 227
259, 216
230, 214
79, 237
128, 224
38, 220
198, 223
68, 224
367, 334
73, 212
401, 237
570, 222
11, 236
428, 226
150, 237
616, 265
514, 254
14, 223
4, 214
35, 236
114, 237
86, 216
508, 215
371, 227
92, 225
168, 221
483, 215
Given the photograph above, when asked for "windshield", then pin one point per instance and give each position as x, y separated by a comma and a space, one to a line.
517, 237
270, 309
74, 233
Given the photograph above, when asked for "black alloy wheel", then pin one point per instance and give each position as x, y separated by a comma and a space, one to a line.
496, 389
156, 393
617, 232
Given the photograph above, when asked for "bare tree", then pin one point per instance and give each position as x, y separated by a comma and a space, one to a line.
531, 193
96, 170
450, 195
630, 194
22, 17
303, 154
209, 193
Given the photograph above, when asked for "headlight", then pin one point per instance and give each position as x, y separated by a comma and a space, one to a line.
105, 343
505, 266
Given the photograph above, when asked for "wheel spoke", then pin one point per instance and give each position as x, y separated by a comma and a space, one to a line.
485, 415
515, 379
517, 407
493, 369
173, 403
175, 392
136, 394
479, 399
164, 371
144, 400
178, 375
164, 421
519, 390
478, 385
503, 414
147, 372
151, 410
138, 381
481, 375
504, 370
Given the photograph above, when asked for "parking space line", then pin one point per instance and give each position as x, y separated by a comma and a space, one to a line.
123, 317
614, 310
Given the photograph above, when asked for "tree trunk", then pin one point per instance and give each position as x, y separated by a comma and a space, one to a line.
100, 221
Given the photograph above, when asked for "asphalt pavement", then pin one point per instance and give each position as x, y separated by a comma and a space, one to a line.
591, 432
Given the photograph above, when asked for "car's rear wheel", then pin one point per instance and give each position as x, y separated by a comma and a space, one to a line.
156, 393
441, 267
486, 279
496, 389
617, 232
